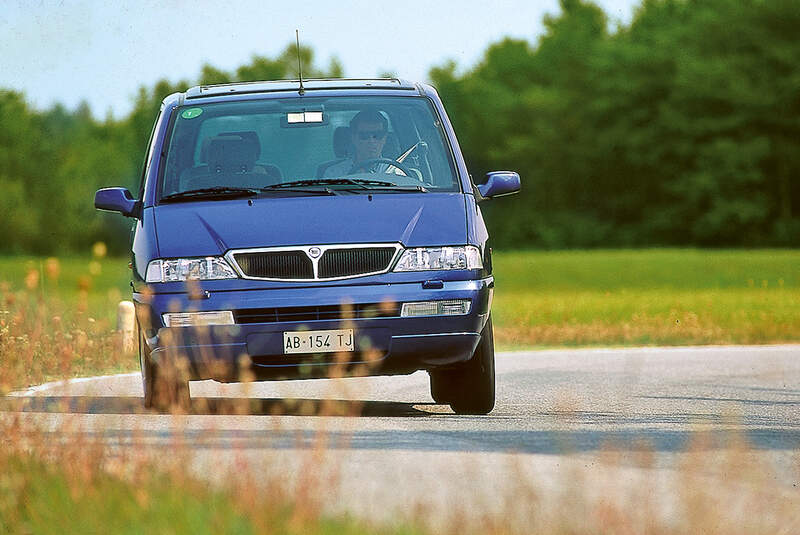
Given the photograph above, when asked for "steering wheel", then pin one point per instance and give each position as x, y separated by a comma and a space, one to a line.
366, 164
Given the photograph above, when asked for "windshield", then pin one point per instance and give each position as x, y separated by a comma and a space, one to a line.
369, 143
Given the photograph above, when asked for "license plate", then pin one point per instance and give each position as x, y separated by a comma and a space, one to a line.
318, 341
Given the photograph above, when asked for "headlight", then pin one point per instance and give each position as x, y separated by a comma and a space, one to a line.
437, 258
181, 269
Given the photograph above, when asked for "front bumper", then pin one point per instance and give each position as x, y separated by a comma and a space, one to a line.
383, 345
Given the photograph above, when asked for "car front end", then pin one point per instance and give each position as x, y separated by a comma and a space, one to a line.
387, 323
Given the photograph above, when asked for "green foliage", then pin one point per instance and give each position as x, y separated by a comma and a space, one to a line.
22, 151
681, 128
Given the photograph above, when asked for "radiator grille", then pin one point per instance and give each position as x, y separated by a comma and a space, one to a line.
276, 265
350, 262
323, 262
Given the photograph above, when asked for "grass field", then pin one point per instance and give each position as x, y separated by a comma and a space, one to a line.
90, 285
57, 316
646, 297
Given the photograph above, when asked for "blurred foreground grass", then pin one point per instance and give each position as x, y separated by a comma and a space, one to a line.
81, 491
62, 480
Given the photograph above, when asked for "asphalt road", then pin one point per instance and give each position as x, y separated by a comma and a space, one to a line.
600, 422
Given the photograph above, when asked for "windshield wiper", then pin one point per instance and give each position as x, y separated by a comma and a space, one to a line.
398, 188
361, 183
217, 192
327, 182
381, 184
278, 188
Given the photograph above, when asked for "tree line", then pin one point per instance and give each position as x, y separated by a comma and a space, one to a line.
681, 127
53, 161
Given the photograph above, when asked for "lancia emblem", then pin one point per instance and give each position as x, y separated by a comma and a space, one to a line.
314, 252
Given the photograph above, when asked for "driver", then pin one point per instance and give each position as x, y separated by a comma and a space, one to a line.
368, 129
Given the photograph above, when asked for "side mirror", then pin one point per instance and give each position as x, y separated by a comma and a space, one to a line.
116, 200
499, 183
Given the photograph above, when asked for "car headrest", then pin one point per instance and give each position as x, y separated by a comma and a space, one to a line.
204, 150
250, 137
341, 141
230, 154
391, 149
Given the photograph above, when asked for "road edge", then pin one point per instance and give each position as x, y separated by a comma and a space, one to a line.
32, 390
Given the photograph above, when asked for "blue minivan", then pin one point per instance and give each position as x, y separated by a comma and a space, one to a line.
328, 228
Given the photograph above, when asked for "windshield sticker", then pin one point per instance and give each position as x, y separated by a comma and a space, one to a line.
304, 117
191, 113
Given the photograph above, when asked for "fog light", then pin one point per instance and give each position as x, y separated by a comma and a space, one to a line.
185, 319
450, 307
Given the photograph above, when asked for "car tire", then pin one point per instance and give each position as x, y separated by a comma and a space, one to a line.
441, 386
164, 390
473, 382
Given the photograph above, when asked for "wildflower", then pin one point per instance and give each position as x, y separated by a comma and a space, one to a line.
52, 267
32, 279
99, 250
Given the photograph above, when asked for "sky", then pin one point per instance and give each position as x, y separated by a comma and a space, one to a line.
99, 51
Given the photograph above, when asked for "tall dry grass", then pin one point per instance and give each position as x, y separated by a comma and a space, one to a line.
50, 335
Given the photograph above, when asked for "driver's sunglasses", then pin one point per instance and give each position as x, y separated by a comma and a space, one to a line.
374, 134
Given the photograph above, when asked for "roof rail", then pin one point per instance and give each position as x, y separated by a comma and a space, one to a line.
317, 84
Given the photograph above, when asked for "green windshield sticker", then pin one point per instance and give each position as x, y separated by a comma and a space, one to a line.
191, 113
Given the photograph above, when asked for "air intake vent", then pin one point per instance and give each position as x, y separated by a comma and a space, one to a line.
312, 313
276, 265
349, 262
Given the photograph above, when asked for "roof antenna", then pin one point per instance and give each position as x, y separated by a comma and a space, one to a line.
299, 64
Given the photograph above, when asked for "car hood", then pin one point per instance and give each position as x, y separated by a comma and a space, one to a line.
214, 227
